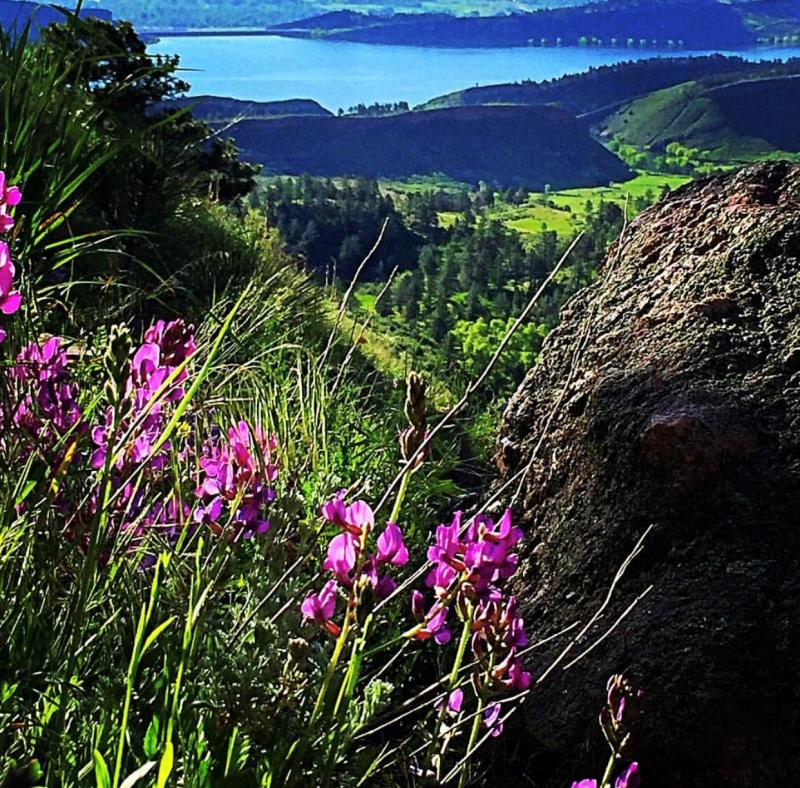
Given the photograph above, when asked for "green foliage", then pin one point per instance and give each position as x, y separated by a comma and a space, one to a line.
118, 173
318, 218
677, 159
475, 279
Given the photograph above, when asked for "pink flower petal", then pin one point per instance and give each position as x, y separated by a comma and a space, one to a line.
11, 303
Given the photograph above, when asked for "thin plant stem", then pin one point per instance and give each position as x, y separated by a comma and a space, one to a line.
401, 494
452, 681
341, 641
473, 736
612, 763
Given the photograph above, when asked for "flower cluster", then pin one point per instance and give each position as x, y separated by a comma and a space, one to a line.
416, 433
349, 562
10, 196
47, 407
236, 470
10, 299
154, 380
145, 500
237, 474
469, 567
42, 408
622, 710
467, 570
499, 637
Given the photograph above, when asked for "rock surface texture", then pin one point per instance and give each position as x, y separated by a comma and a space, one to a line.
670, 397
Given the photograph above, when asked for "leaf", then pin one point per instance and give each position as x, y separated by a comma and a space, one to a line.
134, 777
155, 633
25, 492
165, 767
151, 738
101, 772
35, 772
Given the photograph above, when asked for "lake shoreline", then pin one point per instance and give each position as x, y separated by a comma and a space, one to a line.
340, 74
154, 36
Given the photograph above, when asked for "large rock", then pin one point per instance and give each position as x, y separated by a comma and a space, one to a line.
670, 396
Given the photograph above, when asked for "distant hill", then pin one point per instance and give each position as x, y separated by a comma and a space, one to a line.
742, 120
608, 86
219, 108
164, 15
530, 146
693, 24
15, 14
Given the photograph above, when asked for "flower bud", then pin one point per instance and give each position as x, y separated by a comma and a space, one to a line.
416, 392
116, 358
623, 707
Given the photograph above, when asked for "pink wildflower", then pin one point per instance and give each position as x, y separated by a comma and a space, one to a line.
10, 196
321, 607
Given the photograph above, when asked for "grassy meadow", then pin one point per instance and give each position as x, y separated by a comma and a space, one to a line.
564, 212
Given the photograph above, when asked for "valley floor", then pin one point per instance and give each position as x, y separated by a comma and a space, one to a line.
561, 211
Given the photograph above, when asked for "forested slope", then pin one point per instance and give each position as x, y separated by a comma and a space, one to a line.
605, 86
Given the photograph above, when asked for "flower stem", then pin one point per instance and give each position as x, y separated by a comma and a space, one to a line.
473, 737
401, 494
462, 649
331, 670
451, 684
609, 773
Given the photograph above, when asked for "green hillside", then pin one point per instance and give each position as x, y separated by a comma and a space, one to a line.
601, 89
727, 123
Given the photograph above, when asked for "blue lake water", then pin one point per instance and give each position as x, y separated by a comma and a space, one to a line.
342, 74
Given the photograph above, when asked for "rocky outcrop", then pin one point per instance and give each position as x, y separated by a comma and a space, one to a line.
670, 397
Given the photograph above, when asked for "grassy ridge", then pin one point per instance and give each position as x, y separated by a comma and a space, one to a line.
742, 121
602, 88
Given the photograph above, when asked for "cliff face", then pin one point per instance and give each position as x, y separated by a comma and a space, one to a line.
670, 396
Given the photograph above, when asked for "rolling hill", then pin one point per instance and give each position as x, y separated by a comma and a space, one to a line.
164, 15
16, 14
737, 121
607, 86
694, 24
530, 146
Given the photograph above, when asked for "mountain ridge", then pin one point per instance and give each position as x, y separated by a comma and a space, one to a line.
588, 91
692, 24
